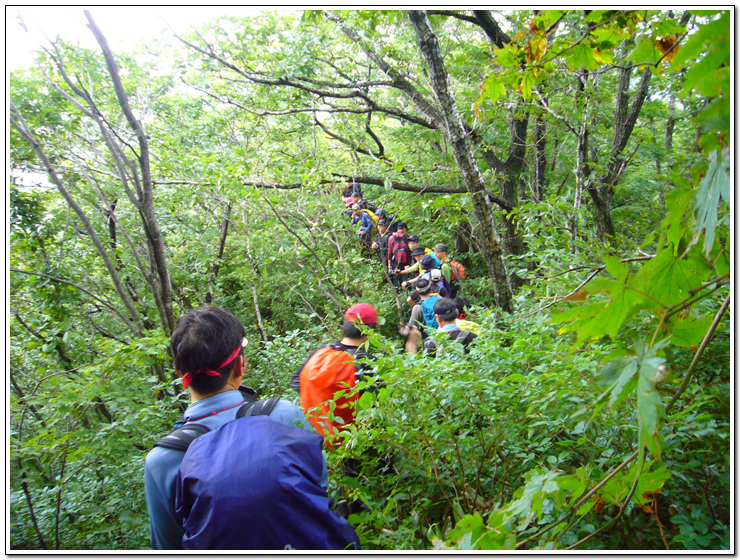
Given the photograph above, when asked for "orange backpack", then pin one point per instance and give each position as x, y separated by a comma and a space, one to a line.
328, 371
457, 269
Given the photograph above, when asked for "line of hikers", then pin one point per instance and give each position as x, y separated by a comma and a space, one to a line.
239, 473
428, 274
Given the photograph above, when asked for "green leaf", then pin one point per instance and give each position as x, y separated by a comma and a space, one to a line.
677, 202
366, 400
693, 47
620, 389
650, 411
701, 74
616, 268
706, 201
650, 482
581, 56
644, 52
690, 331
615, 314
669, 279
579, 311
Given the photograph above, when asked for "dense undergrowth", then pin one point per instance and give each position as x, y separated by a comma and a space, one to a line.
596, 416
497, 449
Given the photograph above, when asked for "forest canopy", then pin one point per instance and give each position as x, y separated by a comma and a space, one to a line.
576, 162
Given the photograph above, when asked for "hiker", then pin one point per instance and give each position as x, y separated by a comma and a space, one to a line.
399, 254
446, 313
452, 270
422, 313
351, 187
392, 220
334, 367
437, 287
427, 268
361, 202
367, 221
238, 475
414, 243
416, 254
419, 254
381, 241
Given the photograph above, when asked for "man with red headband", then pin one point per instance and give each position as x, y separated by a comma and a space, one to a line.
208, 349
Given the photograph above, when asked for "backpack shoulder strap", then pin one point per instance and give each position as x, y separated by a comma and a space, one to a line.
181, 438
257, 408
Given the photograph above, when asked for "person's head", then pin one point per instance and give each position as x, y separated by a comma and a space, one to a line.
402, 227
462, 304
381, 213
382, 226
207, 346
435, 275
413, 242
427, 262
440, 251
356, 210
356, 196
445, 311
423, 287
418, 253
360, 314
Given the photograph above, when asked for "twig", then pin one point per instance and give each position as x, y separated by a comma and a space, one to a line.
660, 525
699, 352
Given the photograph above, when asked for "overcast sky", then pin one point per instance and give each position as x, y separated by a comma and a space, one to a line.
123, 26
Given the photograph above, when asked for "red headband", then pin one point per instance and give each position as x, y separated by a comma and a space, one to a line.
188, 377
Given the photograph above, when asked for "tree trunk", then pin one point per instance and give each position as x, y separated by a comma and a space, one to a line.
513, 239
462, 237
602, 190
134, 321
220, 254
146, 206
455, 133
540, 167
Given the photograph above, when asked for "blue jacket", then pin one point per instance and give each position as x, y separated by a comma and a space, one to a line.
366, 222
162, 464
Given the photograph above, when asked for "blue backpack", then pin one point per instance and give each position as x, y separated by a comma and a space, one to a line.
254, 484
427, 306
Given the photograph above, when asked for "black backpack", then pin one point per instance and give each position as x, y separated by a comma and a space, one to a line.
183, 434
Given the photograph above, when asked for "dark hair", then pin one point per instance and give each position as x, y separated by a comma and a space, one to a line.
401, 225
446, 309
462, 304
350, 330
423, 286
203, 339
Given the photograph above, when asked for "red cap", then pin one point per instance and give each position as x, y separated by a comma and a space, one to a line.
363, 313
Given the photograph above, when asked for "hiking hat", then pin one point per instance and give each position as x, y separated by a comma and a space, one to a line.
418, 251
363, 313
427, 263
413, 238
381, 212
356, 207
423, 286
435, 275
382, 222
440, 247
